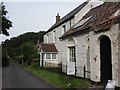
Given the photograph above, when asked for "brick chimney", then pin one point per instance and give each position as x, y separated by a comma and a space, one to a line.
57, 18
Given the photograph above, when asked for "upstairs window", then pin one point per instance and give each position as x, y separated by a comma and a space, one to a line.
47, 38
54, 36
64, 28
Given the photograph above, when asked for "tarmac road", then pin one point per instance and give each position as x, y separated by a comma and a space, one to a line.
14, 76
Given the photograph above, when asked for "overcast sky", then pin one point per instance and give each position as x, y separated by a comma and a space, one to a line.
35, 16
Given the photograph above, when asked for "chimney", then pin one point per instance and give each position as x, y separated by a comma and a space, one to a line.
57, 18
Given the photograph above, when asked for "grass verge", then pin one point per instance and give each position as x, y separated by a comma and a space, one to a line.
57, 79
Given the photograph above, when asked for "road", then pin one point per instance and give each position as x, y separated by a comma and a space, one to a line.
14, 76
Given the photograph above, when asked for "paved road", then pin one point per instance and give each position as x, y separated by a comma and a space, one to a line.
14, 76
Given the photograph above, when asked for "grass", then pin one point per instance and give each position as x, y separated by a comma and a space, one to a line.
57, 79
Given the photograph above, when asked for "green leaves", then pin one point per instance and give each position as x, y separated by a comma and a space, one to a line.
6, 23
28, 51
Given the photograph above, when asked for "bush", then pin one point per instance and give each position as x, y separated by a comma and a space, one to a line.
29, 52
35, 65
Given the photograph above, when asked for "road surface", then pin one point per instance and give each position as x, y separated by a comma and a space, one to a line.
14, 76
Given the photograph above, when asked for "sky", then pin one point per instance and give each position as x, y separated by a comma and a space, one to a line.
34, 16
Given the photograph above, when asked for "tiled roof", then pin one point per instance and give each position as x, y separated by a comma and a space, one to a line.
48, 47
102, 18
68, 16
92, 12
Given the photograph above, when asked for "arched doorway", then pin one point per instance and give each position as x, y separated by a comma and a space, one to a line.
106, 62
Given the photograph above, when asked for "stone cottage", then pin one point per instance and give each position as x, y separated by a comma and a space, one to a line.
89, 36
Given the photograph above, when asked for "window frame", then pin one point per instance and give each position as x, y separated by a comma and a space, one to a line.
46, 56
64, 29
54, 36
55, 56
51, 56
47, 38
72, 54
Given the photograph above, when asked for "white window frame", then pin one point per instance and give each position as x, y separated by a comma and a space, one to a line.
46, 56
55, 56
72, 54
51, 58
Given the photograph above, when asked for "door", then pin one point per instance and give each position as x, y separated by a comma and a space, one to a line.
106, 62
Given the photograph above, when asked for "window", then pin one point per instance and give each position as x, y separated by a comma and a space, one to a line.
51, 56
64, 29
47, 38
72, 55
70, 23
54, 56
48, 56
54, 36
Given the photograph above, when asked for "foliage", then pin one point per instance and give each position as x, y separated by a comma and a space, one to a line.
15, 44
6, 23
5, 59
18, 58
35, 65
59, 80
28, 51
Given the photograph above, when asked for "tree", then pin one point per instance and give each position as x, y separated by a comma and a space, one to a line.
6, 23
28, 51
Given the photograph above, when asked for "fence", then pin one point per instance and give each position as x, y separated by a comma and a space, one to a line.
80, 71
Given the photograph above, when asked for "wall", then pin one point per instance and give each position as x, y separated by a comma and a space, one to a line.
81, 45
59, 33
91, 39
95, 53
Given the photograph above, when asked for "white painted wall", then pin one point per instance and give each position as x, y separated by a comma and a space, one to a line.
81, 45
58, 33
95, 53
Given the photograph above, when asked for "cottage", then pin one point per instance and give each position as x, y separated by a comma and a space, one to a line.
89, 36
62, 25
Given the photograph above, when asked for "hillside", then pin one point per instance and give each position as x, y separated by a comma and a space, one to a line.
13, 46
